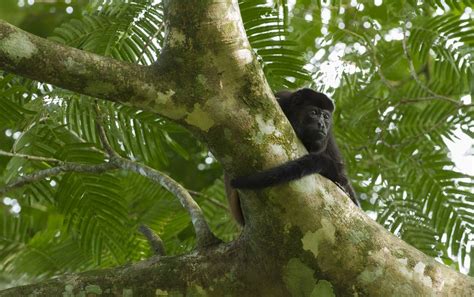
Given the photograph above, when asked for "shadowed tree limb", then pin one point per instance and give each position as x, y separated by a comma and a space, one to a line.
76, 70
155, 242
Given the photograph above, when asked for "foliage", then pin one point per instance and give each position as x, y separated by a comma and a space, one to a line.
401, 72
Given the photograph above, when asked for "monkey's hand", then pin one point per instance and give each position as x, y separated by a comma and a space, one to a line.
308, 164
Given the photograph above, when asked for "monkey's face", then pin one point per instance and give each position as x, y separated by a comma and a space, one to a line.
312, 125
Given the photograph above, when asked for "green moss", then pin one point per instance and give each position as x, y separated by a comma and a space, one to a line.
299, 278
323, 289
202, 80
75, 66
176, 112
68, 291
98, 87
357, 236
196, 291
176, 38
160, 292
94, 289
313, 240
370, 274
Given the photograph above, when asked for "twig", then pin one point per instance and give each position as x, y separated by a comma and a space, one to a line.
430, 98
417, 79
102, 135
30, 157
373, 50
150, 40
156, 244
209, 198
66, 167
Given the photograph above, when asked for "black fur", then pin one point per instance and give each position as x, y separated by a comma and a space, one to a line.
310, 114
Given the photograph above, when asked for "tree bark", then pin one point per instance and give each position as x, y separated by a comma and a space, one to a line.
304, 238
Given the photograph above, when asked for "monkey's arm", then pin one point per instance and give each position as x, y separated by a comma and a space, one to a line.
308, 164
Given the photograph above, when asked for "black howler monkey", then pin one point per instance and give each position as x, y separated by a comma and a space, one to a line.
310, 115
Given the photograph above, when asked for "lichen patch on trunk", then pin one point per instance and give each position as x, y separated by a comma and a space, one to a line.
324, 235
200, 118
17, 46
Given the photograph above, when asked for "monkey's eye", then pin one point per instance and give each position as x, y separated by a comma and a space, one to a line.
313, 113
326, 116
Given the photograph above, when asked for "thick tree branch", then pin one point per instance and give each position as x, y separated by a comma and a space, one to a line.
185, 275
34, 57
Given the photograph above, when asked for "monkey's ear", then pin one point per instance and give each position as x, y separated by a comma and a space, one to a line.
284, 99
283, 95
